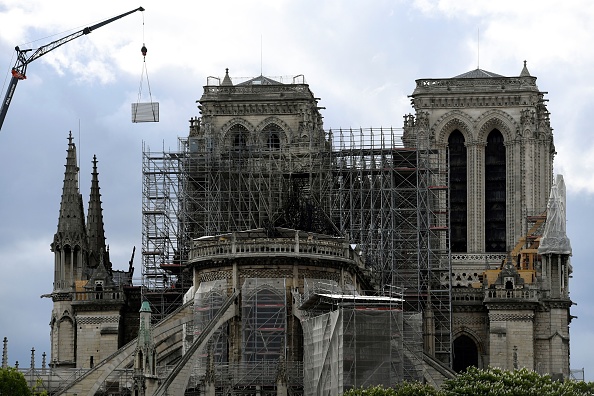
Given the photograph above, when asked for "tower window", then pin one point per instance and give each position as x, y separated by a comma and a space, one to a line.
272, 135
495, 193
458, 191
238, 135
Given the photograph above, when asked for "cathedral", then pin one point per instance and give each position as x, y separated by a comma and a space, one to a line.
282, 258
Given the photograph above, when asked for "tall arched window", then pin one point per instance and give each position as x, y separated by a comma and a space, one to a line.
495, 199
264, 325
272, 136
458, 191
238, 137
205, 308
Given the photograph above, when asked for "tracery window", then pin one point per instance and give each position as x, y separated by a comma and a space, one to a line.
264, 325
458, 191
272, 135
238, 137
495, 193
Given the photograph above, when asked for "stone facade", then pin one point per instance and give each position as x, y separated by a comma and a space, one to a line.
510, 301
263, 234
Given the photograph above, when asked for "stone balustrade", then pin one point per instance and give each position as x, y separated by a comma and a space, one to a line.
512, 294
224, 248
111, 296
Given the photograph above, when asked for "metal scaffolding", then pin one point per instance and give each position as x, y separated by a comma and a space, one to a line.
163, 280
364, 185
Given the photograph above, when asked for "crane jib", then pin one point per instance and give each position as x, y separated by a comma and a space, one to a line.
20, 67
7, 99
9, 94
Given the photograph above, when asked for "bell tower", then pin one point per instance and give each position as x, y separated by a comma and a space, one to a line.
509, 253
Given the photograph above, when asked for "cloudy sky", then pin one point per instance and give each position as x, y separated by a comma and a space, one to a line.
360, 57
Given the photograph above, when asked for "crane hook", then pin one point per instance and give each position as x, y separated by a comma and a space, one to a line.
143, 50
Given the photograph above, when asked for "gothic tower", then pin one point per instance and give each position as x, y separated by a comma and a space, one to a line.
258, 134
70, 248
494, 134
87, 322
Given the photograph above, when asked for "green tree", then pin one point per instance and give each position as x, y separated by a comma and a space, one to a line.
491, 382
523, 382
13, 383
402, 389
38, 389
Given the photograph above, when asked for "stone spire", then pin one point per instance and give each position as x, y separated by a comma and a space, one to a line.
227, 79
70, 241
101, 275
95, 226
145, 363
71, 223
525, 72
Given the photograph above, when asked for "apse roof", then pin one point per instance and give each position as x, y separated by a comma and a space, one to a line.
260, 80
478, 73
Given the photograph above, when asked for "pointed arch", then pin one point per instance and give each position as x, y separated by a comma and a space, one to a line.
66, 340
454, 120
496, 119
286, 132
495, 192
237, 137
458, 168
271, 136
236, 133
465, 353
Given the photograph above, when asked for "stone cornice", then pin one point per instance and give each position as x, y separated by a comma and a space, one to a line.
503, 85
243, 109
563, 304
61, 296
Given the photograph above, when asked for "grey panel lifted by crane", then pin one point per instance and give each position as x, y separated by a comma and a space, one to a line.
148, 111
20, 68
145, 112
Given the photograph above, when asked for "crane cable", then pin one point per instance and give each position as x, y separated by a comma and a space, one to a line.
143, 50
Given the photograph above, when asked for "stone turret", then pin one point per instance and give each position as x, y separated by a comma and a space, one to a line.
95, 227
555, 250
87, 312
145, 356
70, 248
70, 243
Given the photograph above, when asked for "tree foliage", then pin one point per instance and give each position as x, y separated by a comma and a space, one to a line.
402, 389
497, 382
13, 383
491, 382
